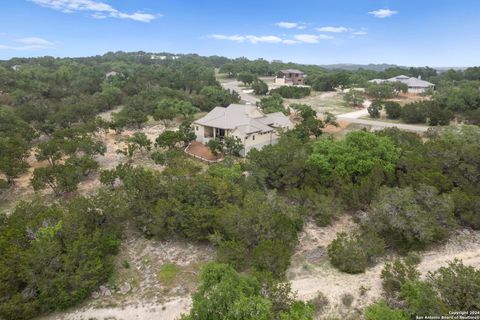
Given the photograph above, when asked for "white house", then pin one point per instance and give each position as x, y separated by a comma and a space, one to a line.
246, 122
415, 85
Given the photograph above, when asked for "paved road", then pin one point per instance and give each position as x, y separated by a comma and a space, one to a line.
352, 117
235, 85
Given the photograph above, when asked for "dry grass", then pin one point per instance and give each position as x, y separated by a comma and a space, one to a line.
323, 102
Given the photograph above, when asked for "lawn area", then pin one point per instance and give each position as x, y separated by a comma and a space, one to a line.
324, 102
167, 273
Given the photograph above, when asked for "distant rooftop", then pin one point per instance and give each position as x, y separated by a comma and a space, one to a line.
409, 81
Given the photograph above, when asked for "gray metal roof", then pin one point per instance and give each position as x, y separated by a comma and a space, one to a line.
245, 118
410, 82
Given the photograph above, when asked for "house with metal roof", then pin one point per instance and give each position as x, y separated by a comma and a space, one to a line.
415, 85
290, 77
245, 122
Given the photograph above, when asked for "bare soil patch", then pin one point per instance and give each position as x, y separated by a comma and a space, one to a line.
311, 272
136, 291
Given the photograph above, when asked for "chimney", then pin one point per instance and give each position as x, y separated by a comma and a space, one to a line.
419, 77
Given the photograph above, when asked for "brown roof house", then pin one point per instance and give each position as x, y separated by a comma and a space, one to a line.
290, 77
246, 122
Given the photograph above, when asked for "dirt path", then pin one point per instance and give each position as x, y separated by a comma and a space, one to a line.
311, 272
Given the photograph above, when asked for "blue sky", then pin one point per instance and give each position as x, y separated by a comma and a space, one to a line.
406, 32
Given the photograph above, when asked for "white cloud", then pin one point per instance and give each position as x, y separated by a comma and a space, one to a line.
99, 10
297, 39
249, 38
290, 25
268, 39
231, 38
333, 29
311, 38
289, 41
29, 43
34, 41
383, 13
360, 33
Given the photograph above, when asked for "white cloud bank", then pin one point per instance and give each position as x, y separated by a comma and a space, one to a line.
100, 10
290, 25
29, 43
383, 13
298, 38
334, 29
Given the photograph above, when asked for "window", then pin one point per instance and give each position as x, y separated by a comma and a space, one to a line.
253, 137
196, 128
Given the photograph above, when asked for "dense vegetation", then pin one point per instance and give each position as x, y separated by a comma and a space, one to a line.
412, 191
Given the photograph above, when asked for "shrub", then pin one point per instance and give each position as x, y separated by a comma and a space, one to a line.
260, 87
381, 311
458, 285
414, 113
353, 253
422, 299
226, 294
397, 273
347, 299
321, 208
393, 110
291, 92
374, 109
320, 302
411, 219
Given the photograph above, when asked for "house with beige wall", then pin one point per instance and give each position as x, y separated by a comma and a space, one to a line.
245, 122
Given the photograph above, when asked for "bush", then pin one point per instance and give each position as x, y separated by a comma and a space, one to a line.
458, 286
260, 87
226, 294
393, 110
374, 109
411, 219
55, 256
414, 113
397, 273
381, 311
320, 302
271, 104
291, 92
353, 253
422, 299
321, 208
347, 299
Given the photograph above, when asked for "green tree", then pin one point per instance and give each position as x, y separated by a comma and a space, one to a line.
352, 254
411, 218
226, 294
374, 109
168, 139
354, 98
355, 156
273, 103
246, 77
382, 311
393, 110
13, 154
260, 87
396, 273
